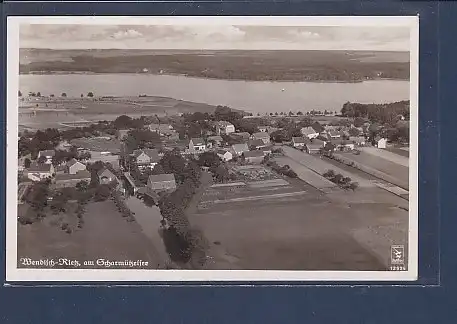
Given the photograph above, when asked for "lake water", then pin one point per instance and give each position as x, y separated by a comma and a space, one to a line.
251, 96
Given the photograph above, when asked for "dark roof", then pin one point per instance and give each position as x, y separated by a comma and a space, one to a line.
298, 139
215, 138
256, 153
106, 172
256, 143
34, 167
197, 141
318, 127
242, 134
79, 175
161, 177
47, 153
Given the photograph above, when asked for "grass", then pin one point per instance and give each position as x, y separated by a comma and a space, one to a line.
105, 234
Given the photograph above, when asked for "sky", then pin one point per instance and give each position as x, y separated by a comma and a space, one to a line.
196, 37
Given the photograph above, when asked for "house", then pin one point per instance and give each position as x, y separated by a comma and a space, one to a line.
146, 158
358, 140
48, 154
315, 146
162, 182
74, 166
271, 129
256, 144
38, 172
214, 140
318, 128
106, 157
161, 129
334, 134
344, 145
105, 176
121, 134
133, 186
224, 155
298, 142
71, 180
197, 144
242, 135
265, 137
381, 143
239, 149
309, 132
266, 150
224, 127
253, 156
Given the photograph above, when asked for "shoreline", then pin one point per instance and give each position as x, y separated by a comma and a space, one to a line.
206, 78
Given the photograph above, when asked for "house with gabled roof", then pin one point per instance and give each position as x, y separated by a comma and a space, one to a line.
253, 156
74, 166
197, 144
298, 142
239, 149
48, 154
224, 127
71, 180
264, 136
256, 144
162, 182
146, 158
214, 141
314, 146
38, 172
224, 155
309, 132
105, 176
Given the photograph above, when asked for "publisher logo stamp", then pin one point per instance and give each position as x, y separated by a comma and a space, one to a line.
397, 254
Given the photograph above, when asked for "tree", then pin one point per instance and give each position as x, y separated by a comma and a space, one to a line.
41, 160
63, 95
290, 113
122, 122
38, 94
258, 114
359, 121
27, 163
354, 132
51, 95
299, 113
19, 93
82, 186
276, 114
209, 159
90, 94
102, 193
221, 173
82, 95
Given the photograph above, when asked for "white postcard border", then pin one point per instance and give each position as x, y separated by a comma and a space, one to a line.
13, 274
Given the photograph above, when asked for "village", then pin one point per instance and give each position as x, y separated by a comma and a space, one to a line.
186, 168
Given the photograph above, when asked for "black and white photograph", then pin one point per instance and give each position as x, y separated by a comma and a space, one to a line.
212, 148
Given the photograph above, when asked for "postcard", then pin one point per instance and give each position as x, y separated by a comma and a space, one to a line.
212, 149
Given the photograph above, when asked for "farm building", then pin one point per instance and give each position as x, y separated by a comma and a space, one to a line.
253, 156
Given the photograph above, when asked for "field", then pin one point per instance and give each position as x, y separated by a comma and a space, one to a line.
309, 231
72, 112
299, 224
105, 234
246, 65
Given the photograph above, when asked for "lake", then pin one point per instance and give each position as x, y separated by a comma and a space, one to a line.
252, 96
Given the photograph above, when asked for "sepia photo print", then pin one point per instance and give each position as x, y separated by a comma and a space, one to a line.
212, 149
